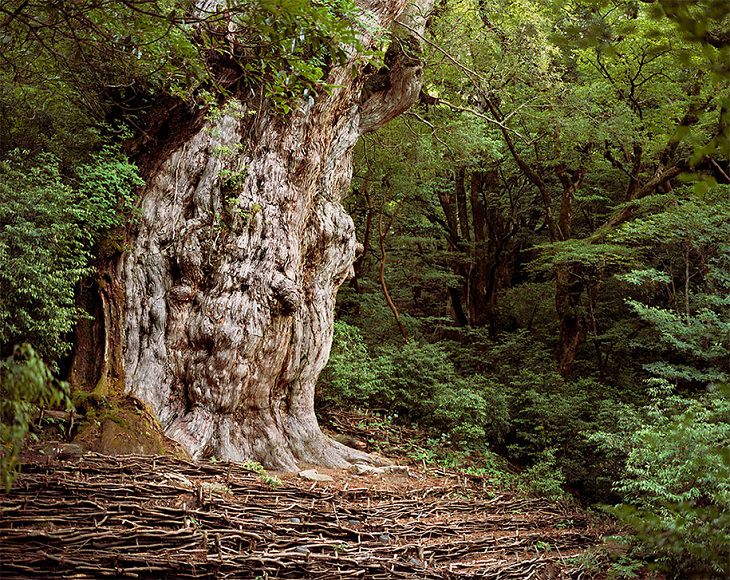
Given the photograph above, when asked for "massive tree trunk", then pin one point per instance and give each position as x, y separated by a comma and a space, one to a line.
227, 289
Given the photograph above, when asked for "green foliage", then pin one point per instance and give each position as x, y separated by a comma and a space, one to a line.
26, 385
70, 66
43, 254
583, 254
63, 76
48, 226
297, 42
264, 476
687, 263
543, 478
107, 185
350, 375
548, 414
520, 99
415, 382
685, 220
676, 481
472, 411
422, 385
413, 374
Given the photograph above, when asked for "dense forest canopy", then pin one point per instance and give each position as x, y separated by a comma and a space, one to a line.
543, 285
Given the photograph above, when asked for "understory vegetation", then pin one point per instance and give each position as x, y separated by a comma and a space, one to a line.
546, 265
544, 287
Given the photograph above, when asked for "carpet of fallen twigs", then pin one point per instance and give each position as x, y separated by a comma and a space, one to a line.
145, 517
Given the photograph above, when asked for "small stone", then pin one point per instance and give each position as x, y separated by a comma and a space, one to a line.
301, 550
385, 538
69, 451
213, 488
180, 480
295, 521
362, 469
313, 475
353, 522
415, 562
395, 469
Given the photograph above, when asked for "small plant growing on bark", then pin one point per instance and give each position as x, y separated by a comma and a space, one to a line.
232, 181
234, 210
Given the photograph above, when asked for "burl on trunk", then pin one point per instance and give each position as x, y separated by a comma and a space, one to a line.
219, 314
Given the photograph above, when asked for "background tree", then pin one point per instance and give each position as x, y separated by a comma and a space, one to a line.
557, 201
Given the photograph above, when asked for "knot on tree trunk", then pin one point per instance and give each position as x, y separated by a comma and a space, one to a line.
286, 293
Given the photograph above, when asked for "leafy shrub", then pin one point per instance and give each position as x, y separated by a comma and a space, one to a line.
423, 385
475, 351
416, 381
543, 478
473, 411
412, 375
106, 184
349, 377
26, 384
47, 229
686, 272
43, 255
676, 482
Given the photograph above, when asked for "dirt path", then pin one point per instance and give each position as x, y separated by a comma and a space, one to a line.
145, 517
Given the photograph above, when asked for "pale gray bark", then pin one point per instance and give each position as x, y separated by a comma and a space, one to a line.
229, 292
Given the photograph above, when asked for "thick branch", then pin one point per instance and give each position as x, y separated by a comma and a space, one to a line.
397, 85
629, 210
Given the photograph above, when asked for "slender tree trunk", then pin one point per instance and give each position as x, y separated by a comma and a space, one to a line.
219, 316
569, 285
454, 205
461, 204
381, 276
568, 293
485, 247
478, 278
359, 264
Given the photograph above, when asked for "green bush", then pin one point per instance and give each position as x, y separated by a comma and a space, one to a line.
544, 478
676, 482
26, 385
349, 377
42, 255
422, 385
412, 375
473, 411
417, 382
684, 286
48, 226
106, 186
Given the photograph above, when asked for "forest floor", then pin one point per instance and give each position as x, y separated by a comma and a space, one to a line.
159, 517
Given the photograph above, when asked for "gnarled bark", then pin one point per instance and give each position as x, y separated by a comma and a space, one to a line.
230, 279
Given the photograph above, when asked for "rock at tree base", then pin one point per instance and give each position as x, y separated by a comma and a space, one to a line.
314, 475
